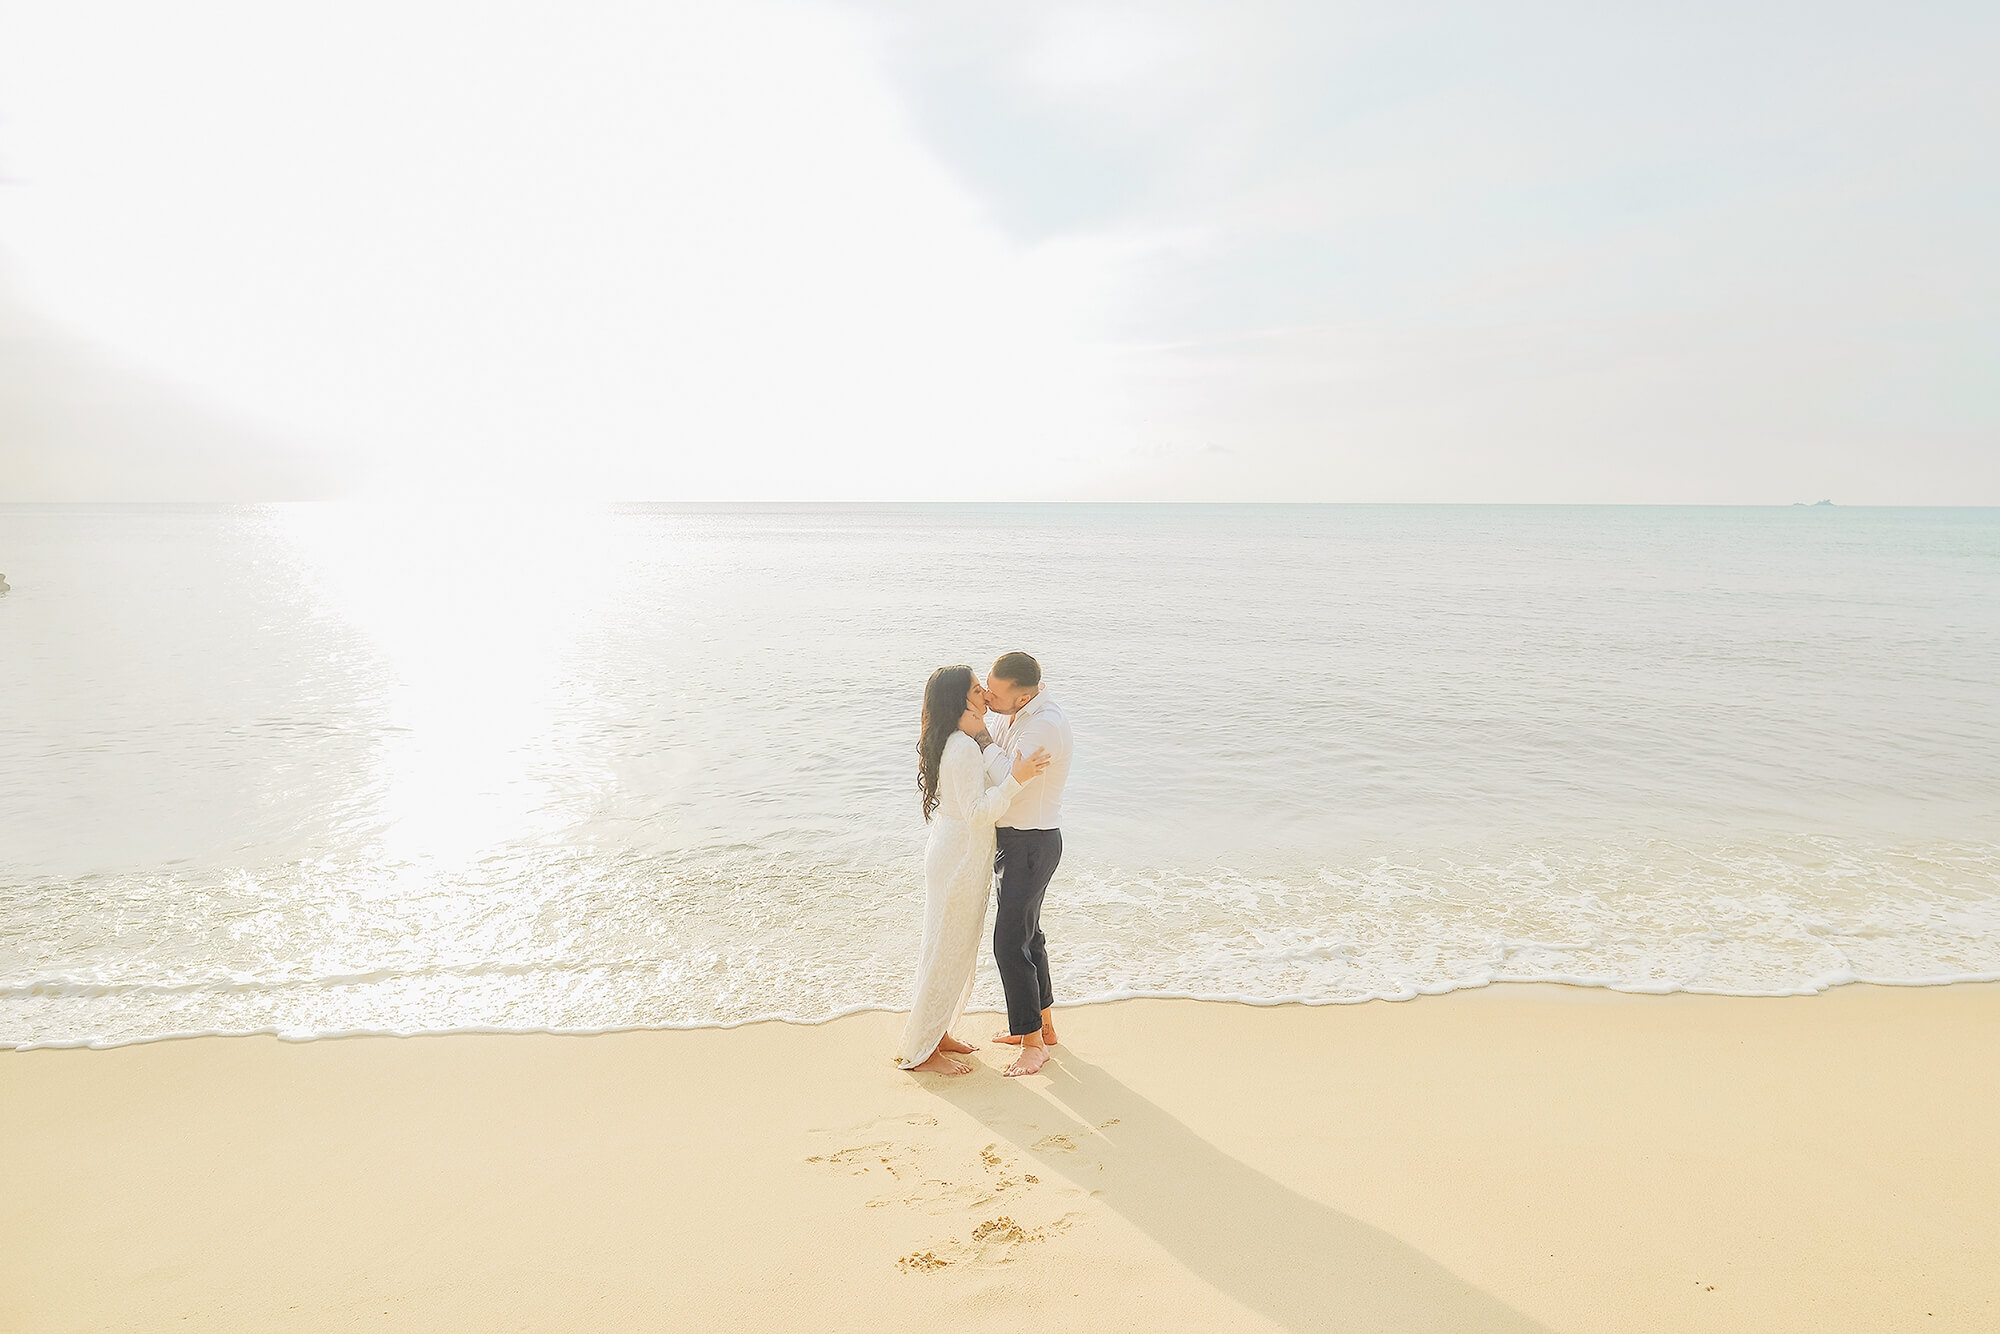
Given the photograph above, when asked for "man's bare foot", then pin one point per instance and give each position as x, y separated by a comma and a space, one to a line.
1033, 1055
952, 1044
937, 1063
1014, 1039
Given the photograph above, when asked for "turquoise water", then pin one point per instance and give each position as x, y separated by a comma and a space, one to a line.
321, 768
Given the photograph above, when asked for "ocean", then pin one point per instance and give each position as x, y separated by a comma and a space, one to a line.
317, 769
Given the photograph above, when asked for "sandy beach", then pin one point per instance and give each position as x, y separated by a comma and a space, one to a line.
1522, 1157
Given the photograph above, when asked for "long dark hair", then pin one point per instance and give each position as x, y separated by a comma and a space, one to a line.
944, 705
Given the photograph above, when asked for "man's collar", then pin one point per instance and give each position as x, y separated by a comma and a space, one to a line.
1029, 707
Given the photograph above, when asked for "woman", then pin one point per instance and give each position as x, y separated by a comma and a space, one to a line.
958, 863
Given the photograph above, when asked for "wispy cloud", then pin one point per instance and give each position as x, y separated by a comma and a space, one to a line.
1267, 250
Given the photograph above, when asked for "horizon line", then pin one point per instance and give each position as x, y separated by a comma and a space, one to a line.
599, 502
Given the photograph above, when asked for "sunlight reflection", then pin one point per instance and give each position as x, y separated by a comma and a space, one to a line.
476, 613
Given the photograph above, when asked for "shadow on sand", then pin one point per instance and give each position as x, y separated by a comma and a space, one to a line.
1226, 1222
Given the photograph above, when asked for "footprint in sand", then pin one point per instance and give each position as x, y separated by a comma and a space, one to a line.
923, 1179
924, 1176
940, 1195
896, 1156
861, 1159
1063, 1143
991, 1243
999, 1229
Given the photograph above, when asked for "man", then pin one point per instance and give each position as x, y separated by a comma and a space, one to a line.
1028, 844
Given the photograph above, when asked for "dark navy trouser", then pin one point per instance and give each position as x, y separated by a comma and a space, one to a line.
1025, 860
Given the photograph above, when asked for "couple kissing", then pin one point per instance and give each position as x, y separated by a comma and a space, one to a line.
993, 801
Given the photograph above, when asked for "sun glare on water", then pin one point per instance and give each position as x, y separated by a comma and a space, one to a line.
477, 613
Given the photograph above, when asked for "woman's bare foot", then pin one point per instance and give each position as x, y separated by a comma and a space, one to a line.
937, 1063
1031, 1059
952, 1044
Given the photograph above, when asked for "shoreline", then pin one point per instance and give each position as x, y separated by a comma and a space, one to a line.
1515, 1156
1555, 984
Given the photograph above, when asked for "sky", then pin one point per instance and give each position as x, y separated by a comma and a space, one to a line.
846, 250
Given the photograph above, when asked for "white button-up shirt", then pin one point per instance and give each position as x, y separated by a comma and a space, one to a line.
1037, 725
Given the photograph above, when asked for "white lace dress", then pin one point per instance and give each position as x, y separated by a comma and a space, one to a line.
958, 884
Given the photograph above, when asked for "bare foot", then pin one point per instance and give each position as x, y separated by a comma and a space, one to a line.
1031, 1059
952, 1044
1014, 1039
937, 1063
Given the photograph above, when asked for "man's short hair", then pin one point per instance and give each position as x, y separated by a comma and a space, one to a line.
1019, 668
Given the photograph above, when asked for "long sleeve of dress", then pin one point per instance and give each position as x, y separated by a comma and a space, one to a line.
963, 794
998, 761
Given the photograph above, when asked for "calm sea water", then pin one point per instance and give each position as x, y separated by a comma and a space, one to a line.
318, 769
